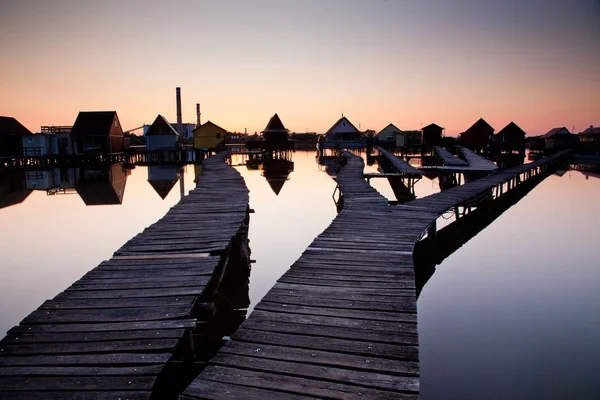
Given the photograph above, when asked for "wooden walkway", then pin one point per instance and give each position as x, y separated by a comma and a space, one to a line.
122, 330
476, 161
448, 159
342, 322
401, 166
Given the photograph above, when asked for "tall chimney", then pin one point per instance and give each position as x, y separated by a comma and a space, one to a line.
179, 123
198, 123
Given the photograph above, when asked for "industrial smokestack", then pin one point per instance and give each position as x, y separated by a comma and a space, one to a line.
198, 123
179, 121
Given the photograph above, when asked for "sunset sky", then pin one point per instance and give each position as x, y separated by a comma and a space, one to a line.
409, 62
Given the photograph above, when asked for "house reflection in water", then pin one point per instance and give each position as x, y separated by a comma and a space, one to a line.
276, 171
12, 188
101, 185
162, 178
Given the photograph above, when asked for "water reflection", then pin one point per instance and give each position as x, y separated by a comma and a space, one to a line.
276, 171
102, 184
162, 178
12, 188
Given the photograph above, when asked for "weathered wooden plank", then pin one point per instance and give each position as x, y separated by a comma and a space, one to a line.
115, 326
92, 336
146, 345
152, 370
58, 316
119, 303
77, 395
121, 359
80, 383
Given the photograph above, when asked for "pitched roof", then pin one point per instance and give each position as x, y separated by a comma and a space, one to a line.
93, 123
480, 125
338, 122
431, 126
591, 131
207, 123
511, 128
392, 126
10, 126
161, 127
275, 125
14, 198
554, 131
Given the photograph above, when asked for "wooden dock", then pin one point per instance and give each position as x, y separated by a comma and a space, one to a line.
126, 328
399, 165
476, 161
448, 159
342, 322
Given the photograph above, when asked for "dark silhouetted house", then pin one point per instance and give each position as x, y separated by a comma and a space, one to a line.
161, 135
431, 135
391, 136
162, 178
275, 131
510, 140
97, 132
560, 139
590, 140
478, 137
209, 136
101, 185
11, 134
343, 135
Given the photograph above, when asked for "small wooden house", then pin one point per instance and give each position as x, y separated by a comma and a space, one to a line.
431, 135
510, 140
343, 135
390, 136
560, 139
590, 140
161, 135
11, 137
275, 131
478, 137
209, 136
97, 132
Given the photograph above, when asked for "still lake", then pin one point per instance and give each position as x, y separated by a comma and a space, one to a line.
512, 314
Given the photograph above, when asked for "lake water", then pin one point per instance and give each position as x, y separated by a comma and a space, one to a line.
513, 314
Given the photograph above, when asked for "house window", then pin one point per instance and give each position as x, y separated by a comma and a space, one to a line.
343, 123
30, 140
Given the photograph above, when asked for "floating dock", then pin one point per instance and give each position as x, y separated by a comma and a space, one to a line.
126, 328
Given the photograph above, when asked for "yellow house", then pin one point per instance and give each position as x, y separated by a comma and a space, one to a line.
209, 136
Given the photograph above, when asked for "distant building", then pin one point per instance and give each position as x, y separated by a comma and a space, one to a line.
39, 145
64, 142
209, 136
11, 134
510, 140
161, 135
275, 131
590, 140
343, 135
478, 137
390, 136
431, 135
412, 137
560, 139
97, 132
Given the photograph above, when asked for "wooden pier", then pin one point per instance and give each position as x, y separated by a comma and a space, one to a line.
448, 159
401, 167
342, 322
477, 162
126, 329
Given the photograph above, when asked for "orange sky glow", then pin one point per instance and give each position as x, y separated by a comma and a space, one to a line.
405, 62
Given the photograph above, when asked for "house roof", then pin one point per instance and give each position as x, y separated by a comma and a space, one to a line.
161, 127
338, 122
511, 128
162, 186
207, 123
591, 131
10, 126
93, 123
14, 198
390, 126
431, 126
554, 131
275, 125
480, 125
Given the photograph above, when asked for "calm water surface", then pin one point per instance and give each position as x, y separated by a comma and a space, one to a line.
513, 314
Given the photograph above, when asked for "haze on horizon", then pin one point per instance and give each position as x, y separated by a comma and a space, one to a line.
408, 62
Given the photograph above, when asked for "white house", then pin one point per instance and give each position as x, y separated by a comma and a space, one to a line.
343, 135
161, 135
391, 136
